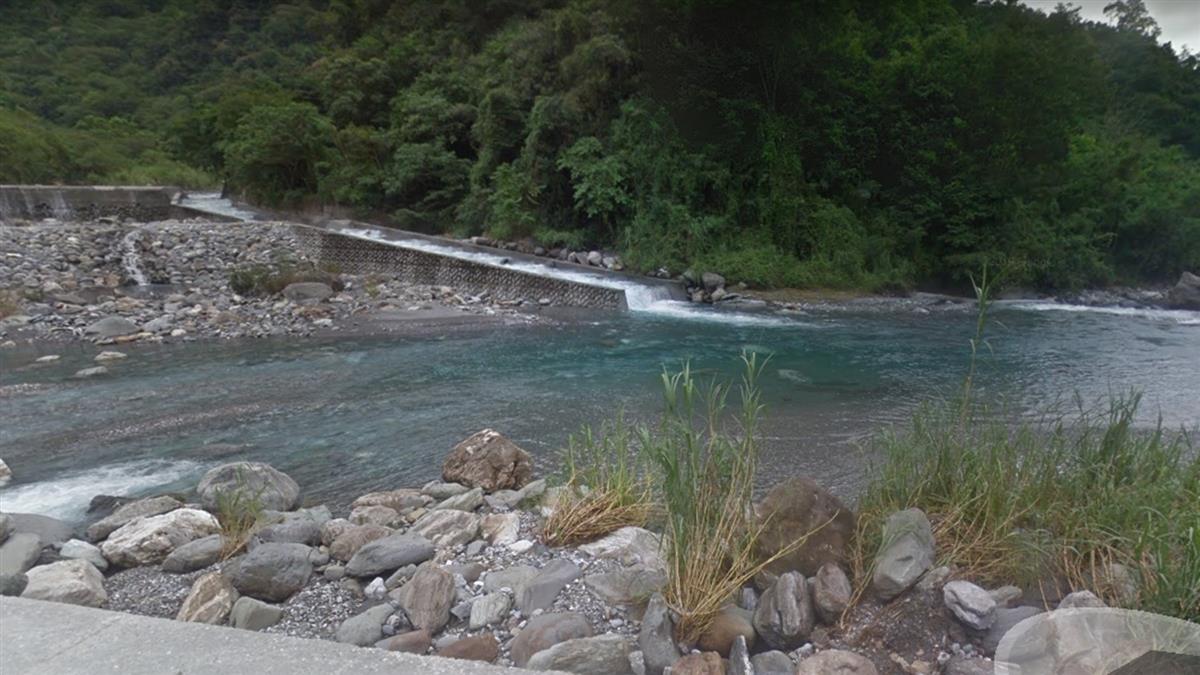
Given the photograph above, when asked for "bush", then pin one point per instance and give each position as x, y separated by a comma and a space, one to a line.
267, 280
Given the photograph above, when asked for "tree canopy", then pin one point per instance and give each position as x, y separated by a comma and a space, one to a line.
832, 142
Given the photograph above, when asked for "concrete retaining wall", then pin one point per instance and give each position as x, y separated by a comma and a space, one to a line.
359, 256
85, 202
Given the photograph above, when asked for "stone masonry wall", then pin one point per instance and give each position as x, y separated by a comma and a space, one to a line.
360, 256
83, 202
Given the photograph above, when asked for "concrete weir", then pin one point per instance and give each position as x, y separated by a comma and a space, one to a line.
85, 202
47, 637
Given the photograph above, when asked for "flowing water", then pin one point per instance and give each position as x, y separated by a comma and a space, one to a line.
131, 258
356, 414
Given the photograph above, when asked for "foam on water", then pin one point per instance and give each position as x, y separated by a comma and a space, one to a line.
67, 497
131, 258
1179, 316
213, 202
644, 298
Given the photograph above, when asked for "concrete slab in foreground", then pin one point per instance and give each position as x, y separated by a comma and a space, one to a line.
46, 637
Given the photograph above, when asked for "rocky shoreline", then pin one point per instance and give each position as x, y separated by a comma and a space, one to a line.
80, 281
458, 568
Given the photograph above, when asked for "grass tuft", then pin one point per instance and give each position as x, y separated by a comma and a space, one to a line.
239, 511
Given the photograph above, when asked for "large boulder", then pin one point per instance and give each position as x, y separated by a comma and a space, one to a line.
784, 617
273, 572
1186, 293
906, 554
151, 506
49, 530
272, 488
148, 541
210, 600
427, 597
194, 555
490, 461
386, 555
19, 552
606, 654
545, 631
793, 508
76, 582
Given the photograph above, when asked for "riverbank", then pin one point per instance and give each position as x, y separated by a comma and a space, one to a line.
169, 281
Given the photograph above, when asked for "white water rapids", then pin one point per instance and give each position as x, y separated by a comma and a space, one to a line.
131, 258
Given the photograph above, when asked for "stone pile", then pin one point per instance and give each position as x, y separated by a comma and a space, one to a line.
457, 568
76, 281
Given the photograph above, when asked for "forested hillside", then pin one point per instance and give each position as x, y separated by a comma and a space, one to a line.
846, 143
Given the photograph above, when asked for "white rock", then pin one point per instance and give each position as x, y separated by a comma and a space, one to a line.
75, 582
109, 356
630, 545
500, 529
147, 541
520, 546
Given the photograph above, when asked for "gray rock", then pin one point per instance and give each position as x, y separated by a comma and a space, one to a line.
209, 601
961, 665
74, 549
401, 577
656, 638
467, 501
739, 658
352, 539
6, 525
712, 281
375, 514
441, 491
307, 292
784, 617
94, 371
600, 655
1186, 293
383, 556
13, 585
970, 604
19, 552
272, 488
447, 528
547, 630
251, 614
907, 553
334, 572
427, 598
365, 629
831, 593
1005, 619
630, 545
772, 662
148, 541
75, 582
836, 661
1005, 596
933, 580
273, 572
151, 506
111, 327
489, 609
541, 590
50, 530
1081, 599
627, 586
194, 555
513, 578
475, 548
637, 662
298, 528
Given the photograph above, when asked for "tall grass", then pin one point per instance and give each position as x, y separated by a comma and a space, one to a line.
239, 510
707, 460
607, 486
1057, 499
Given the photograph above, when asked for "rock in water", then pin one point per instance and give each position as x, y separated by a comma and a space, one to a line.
75, 582
5, 475
490, 461
151, 506
831, 593
210, 600
836, 661
656, 638
148, 541
1186, 293
273, 489
971, 605
547, 630
427, 597
601, 655
95, 371
784, 617
273, 572
251, 614
793, 508
906, 554
386, 555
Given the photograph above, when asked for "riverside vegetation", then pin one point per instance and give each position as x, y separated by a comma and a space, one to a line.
848, 143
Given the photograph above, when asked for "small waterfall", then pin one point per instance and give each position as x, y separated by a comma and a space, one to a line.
131, 258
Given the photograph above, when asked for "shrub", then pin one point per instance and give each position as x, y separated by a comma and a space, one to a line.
266, 280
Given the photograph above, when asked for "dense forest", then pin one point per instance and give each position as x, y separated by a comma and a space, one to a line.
842, 143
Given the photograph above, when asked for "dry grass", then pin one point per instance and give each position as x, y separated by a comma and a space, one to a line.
580, 518
239, 511
10, 303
